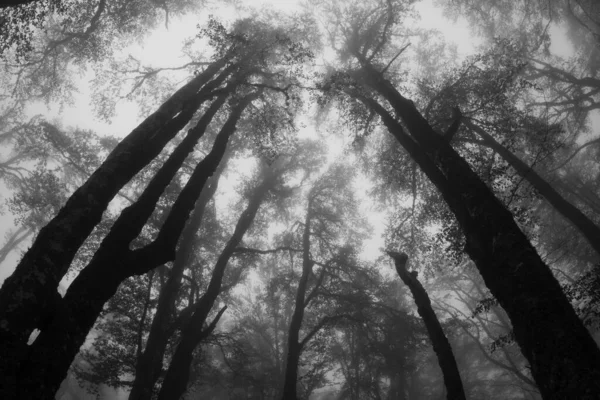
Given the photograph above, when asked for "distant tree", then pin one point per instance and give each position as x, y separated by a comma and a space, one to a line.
194, 331
377, 348
329, 205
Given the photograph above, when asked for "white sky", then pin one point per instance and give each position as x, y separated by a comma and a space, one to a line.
162, 48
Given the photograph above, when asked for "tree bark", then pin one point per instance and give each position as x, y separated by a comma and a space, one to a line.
565, 361
15, 3
150, 363
586, 226
441, 345
294, 347
176, 379
56, 346
29, 295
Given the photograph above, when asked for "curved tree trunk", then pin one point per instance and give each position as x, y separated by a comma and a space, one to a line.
29, 295
564, 359
177, 377
149, 364
53, 351
586, 226
441, 345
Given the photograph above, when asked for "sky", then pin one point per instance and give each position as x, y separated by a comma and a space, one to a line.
159, 49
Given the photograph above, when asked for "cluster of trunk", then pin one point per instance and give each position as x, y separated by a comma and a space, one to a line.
150, 362
176, 379
29, 295
564, 359
59, 341
29, 298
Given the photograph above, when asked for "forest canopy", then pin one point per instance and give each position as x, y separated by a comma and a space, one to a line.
312, 199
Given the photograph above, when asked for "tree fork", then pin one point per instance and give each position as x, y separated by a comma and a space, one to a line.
30, 293
586, 226
564, 359
176, 379
150, 362
56, 346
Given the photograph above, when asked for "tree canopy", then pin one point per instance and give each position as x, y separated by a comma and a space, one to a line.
329, 201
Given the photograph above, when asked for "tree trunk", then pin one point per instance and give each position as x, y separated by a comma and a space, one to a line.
586, 226
564, 359
15, 3
294, 347
13, 241
56, 346
441, 346
28, 296
176, 379
150, 363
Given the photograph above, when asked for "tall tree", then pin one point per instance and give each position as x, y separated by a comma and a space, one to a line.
586, 225
328, 205
149, 364
49, 257
178, 372
74, 316
541, 315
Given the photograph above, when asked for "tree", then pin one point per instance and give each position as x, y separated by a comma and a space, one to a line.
48, 259
177, 376
486, 89
586, 226
440, 343
493, 240
328, 205
377, 349
482, 320
73, 318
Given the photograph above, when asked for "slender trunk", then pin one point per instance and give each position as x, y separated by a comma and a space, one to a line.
441, 345
28, 296
294, 348
176, 379
564, 359
586, 226
140, 330
150, 363
13, 241
582, 193
56, 346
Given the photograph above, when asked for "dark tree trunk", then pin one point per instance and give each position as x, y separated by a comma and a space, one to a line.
150, 363
28, 296
176, 379
586, 226
441, 346
294, 347
564, 359
13, 241
14, 3
56, 346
